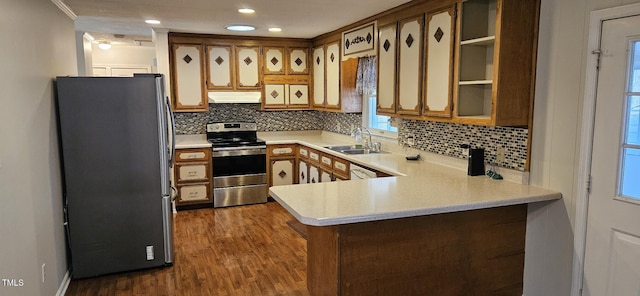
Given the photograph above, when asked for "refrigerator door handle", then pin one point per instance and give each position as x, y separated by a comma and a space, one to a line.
173, 133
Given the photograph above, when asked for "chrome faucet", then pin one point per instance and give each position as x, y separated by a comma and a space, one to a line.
368, 143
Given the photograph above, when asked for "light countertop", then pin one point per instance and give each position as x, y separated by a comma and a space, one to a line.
192, 141
418, 188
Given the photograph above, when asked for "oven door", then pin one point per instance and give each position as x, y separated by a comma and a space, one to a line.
237, 161
239, 176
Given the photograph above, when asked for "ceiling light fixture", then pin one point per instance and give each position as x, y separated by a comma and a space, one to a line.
152, 22
246, 10
275, 29
104, 45
240, 28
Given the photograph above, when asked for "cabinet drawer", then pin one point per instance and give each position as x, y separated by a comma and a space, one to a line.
281, 150
303, 152
183, 155
341, 168
193, 193
314, 156
326, 161
190, 172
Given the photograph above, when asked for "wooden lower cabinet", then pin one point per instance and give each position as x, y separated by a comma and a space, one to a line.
303, 172
297, 164
341, 169
194, 193
282, 172
477, 252
192, 174
325, 176
281, 164
314, 173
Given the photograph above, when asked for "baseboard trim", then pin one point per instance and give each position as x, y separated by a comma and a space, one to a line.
64, 285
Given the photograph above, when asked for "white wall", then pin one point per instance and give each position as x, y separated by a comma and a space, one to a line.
125, 55
38, 43
562, 52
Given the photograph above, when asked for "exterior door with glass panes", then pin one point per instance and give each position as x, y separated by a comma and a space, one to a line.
612, 256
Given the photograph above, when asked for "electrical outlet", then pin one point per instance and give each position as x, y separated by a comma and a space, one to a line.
410, 140
500, 154
44, 272
338, 126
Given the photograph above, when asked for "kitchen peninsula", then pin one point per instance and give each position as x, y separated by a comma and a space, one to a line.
428, 230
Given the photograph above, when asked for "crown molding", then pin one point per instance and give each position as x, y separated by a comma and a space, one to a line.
65, 9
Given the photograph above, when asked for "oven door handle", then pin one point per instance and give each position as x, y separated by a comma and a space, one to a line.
239, 152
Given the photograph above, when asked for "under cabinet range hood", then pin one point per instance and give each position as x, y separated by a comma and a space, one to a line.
234, 97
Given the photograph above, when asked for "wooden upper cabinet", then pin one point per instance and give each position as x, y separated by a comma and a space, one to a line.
248, 67
318, 77
298, 95
439, 48
410, 66
297, 61
274, 95
386, 93
274, 60
350, 98
220, 67
334, 80
189, 93
496, 61
332, 74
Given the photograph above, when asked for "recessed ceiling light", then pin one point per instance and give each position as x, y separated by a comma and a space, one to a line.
246, 10
240, 28
275, 29
152, 22
104, 45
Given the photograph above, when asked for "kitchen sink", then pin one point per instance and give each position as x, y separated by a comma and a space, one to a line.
340, 148
352, 150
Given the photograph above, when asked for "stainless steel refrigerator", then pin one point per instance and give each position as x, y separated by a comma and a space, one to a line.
114, 138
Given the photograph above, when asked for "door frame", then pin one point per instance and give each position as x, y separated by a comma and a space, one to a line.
586, 143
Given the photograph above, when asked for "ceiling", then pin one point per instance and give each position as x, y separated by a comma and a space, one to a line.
297, 18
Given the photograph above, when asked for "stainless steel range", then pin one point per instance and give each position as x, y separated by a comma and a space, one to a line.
239, 164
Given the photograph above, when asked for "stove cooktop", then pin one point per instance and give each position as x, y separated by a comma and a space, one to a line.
218, 143
233, 134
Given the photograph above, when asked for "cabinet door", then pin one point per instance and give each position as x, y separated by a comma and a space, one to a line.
303, 152
248, 65
318, 77
219, 67
183, 155
280, 150
439, 41
188, 76
341, 168
303, 172
282, 172
273, 60
274, 95
314, 157
326, 161
386, 96
333, 76
409, 65
193, 194
325, 176
196, 171
298, 95
297, 61
314, 173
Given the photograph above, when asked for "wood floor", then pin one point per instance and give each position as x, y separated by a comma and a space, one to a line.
246, 250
